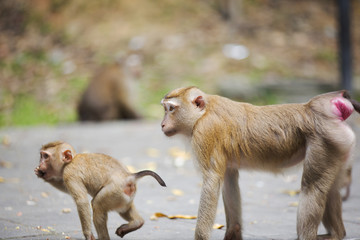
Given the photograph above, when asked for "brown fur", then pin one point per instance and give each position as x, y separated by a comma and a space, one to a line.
227, 135
51, 145
108, 181
109, 96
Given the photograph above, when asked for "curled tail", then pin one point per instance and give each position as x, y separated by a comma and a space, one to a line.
150, 173
355, 103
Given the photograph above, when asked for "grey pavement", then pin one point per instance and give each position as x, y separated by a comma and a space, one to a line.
32, 209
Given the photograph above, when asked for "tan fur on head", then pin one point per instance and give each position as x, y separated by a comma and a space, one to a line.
51, 145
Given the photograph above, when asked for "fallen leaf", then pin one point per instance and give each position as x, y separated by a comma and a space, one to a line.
153, 152
19, 214
17, 228
6, 164
44, 194
51, 228
12, 180
42, 229
218, 226
6, 141
294, 204
177, 192
182, 217
291, 193
177, 152
157, 215
2, 179
66, 210
254, 222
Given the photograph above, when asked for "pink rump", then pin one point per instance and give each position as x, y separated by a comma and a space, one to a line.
342, 108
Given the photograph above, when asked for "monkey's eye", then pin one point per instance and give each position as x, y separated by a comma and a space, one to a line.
171, 108
44, 155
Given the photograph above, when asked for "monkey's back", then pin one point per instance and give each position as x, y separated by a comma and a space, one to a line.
273, 135
93, 170
268, 134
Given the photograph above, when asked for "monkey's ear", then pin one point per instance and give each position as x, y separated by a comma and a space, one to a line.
199, 102
67, 156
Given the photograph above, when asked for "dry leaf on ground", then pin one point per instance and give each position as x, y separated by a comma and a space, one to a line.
66, 210
177, 192
291, 193
218, 226
157, 215
294, 204
153, 152
6, 164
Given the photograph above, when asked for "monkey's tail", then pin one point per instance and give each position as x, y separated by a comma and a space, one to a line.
355, 103
150, 173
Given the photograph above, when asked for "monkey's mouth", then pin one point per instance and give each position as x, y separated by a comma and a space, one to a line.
170, 133
41, 173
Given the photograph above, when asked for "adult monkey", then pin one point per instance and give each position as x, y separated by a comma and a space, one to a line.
227, 135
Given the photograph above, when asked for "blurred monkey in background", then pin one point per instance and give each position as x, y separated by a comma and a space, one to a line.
112, 92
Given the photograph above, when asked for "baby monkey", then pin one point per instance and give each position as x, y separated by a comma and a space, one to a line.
108, 181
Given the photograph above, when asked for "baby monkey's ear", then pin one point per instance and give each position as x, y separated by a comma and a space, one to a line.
67, 156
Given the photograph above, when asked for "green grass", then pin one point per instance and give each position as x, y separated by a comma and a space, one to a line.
28, 111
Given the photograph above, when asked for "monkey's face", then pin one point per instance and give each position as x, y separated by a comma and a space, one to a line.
183, 107
49, 166
169, 125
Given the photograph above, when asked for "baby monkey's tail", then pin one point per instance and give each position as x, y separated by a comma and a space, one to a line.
355, 103
150, 173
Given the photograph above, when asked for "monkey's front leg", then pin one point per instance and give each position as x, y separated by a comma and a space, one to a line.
232, 204
79, 193
83, 208
208, 204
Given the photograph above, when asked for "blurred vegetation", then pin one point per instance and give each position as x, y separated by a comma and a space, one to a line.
49, 49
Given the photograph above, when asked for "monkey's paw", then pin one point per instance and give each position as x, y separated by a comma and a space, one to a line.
233, 233
122, 230
325, 237
126, 228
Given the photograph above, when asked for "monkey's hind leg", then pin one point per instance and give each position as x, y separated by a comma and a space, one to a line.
134, 219
332, 218
319, 197
232, 204
101, 204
